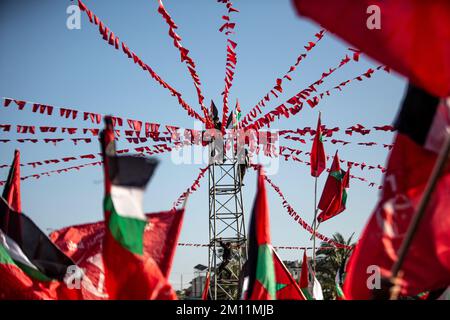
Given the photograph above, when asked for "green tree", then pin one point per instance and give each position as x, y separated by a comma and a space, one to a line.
328, 262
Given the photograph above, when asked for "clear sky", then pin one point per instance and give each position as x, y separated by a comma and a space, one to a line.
42, 61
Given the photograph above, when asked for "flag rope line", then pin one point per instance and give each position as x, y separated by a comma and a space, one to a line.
278, 85
114, 41
184, 53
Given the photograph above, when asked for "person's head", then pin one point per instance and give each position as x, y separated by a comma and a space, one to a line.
228, 244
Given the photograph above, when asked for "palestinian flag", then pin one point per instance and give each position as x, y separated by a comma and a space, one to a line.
31, 266
234, 117
334, 195
287, 287
127, 274
318, 158
412, 36
304, 278
11, 192
261, 269
309, 284
422, 126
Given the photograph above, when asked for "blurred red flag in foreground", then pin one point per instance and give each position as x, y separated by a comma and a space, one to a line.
422, 125
413, 38
83, 243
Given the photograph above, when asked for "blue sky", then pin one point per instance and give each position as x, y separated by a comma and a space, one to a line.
42, 61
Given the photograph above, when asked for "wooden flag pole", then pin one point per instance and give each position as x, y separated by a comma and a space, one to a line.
438, 169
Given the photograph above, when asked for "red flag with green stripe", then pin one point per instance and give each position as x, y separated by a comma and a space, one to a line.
262, 280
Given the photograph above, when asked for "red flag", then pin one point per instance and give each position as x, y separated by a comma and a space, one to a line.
318, 158
304, 278
338, 201
332, 201
287, 288
11, 192
422, 126
128, 274
206, 288
413, 36
262, 281
83, 243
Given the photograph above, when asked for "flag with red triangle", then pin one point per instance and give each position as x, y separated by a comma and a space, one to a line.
423, 124
286, 286
411, 36
31, 266
11, 191
318, 158
261, 270
308, 282
128, 275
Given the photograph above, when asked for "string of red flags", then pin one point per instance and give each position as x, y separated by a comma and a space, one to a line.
293, 157
193, 187
278, 87
295, 101
299, 220
148, 128
343, 142
57, 171
185, 57
115, 42
150, 150
231, 59
297, 105
204, 245
53, 141
362, 165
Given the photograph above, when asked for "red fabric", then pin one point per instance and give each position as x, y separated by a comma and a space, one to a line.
83, 244
336, 205
16, 285
206, 288
332, 185
128, 276
304, 282
414, 38
262, 211
291, 290
318, 157
12, 189
427, 264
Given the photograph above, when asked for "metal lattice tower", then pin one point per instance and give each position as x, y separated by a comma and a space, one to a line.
226, 224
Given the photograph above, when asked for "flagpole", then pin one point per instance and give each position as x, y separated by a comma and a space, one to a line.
438, 169
314, 227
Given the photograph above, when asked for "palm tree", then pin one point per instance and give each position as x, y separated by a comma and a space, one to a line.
328, 261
